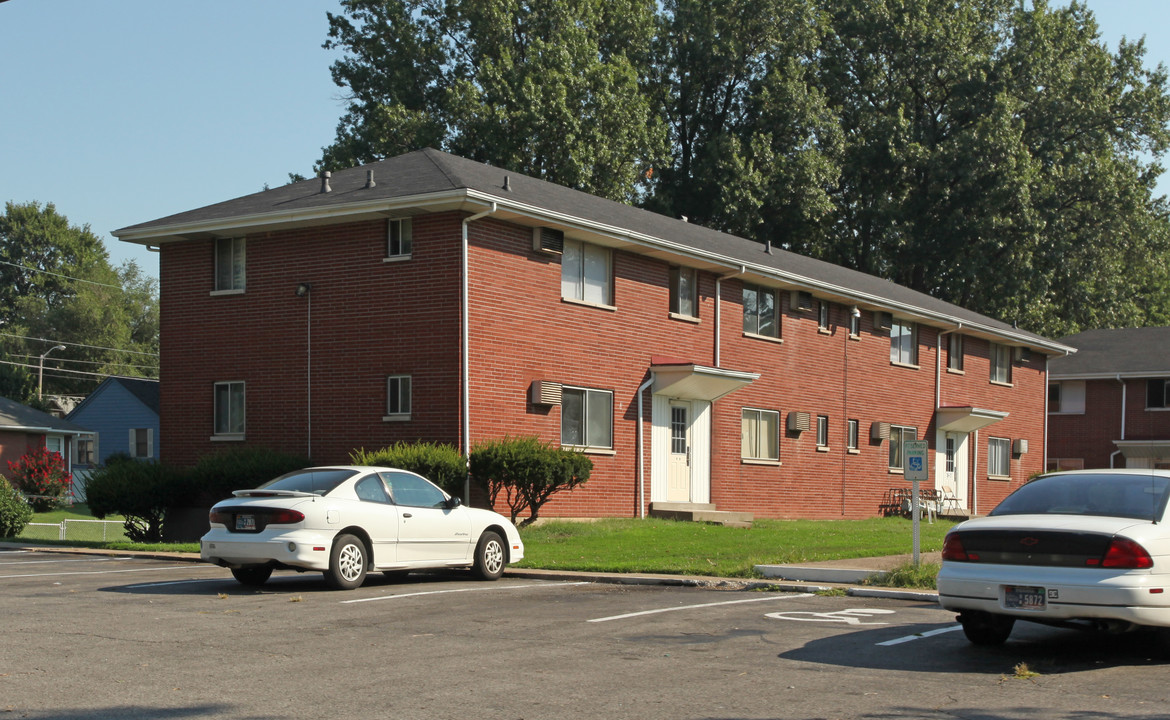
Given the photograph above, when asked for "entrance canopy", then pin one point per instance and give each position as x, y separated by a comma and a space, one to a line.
688, 381
1154, 449
966, 419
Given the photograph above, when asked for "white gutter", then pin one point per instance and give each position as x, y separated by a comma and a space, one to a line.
642, 449
1124, 397
466, 355
1046, 381
718, 304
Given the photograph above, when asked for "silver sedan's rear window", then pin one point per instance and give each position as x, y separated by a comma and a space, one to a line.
1140, 497
318, 482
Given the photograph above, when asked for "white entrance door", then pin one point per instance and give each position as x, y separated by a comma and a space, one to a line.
952, 472
678, 487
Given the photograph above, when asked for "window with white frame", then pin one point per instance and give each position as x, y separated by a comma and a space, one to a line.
852, 430
1001, 364
759, 311
86, 450
141, 442
229, 409
399, 239
955, 352
587, 273
903, 342
586, 418
999, 457
823, 315
229, 264
1067, 396
760, 434
683, 292
1157, 394
899, 436
398, 397
822, 431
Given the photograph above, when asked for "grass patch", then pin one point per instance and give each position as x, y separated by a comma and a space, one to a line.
922, 576
80, 530
672, 547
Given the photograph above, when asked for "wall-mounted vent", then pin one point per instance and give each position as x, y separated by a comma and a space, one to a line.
883, 320
543, 392
799, 421
879, 431
548, 240
1020, 446
801, 300
1023, 354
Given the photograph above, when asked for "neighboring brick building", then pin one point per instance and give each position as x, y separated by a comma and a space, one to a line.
319, 321
1108, 404
24, 430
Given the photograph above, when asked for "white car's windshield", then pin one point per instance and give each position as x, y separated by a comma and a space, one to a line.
318, 482
1141, 497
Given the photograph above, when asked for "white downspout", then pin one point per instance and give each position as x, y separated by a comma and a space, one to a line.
466, 355
975, 472
718, 303
642, 450
1124, 393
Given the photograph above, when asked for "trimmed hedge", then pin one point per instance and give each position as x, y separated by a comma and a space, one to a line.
441, 464
526, 473
15, 512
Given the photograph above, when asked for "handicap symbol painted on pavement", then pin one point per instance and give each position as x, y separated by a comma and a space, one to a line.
848, 617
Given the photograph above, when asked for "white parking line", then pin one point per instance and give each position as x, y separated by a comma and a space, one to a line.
919, 636
49, 562
703, 605
97, 572
459, 590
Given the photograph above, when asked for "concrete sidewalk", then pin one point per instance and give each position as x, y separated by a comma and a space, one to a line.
820, 576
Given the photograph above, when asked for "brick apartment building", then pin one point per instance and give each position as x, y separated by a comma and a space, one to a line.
431, 297
1108, 404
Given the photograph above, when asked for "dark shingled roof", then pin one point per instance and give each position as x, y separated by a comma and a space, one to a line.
1107, 353
431, 172
17, 416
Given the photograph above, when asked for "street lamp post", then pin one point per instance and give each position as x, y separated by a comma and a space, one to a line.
41, 370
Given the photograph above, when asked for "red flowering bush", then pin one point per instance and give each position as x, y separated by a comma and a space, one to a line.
42, 477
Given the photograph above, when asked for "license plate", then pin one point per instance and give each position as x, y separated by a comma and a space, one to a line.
245, 522
1019, 597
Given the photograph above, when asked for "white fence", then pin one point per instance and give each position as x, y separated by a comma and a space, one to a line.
77, 530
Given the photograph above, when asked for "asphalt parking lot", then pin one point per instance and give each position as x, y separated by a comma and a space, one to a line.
93, 636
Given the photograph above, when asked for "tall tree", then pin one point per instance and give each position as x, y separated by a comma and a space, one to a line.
551, 88
57, 287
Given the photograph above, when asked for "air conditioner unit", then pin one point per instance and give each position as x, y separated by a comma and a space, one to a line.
543, 392
801, 300
548, 240
799, 421
1020, 446
879, 431
883, 320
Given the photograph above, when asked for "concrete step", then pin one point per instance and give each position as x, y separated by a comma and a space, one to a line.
701, 512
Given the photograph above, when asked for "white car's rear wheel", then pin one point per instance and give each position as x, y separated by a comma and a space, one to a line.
347, 563
254, 575
490, 556
983, 628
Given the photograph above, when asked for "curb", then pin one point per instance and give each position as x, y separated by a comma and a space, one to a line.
562, 575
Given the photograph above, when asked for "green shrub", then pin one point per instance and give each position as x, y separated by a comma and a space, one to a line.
15, 512
441, 464
215, 476
526, 473
140, 491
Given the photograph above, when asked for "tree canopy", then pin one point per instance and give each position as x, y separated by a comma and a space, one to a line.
993, 153
57, 287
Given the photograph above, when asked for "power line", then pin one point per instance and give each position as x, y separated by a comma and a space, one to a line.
67, 370
67, 277
60, 359
92, 347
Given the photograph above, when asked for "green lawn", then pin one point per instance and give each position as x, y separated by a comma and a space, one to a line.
664, 546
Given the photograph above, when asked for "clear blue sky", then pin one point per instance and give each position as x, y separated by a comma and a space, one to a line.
123, 111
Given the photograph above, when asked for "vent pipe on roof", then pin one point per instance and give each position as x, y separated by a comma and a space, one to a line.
325, 175
370, 179
768, 246
508, 183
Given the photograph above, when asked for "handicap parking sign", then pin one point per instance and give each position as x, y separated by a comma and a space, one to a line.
915, 464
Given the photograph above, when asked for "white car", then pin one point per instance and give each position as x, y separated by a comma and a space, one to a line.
1085, 548
346, 521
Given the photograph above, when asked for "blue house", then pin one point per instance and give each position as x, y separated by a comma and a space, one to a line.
123, 414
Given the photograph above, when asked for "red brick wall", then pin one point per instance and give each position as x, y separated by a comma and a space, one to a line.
15, 445
372, 318
1090, 435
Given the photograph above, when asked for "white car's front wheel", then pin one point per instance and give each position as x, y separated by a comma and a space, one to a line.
347, 563
490, 556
